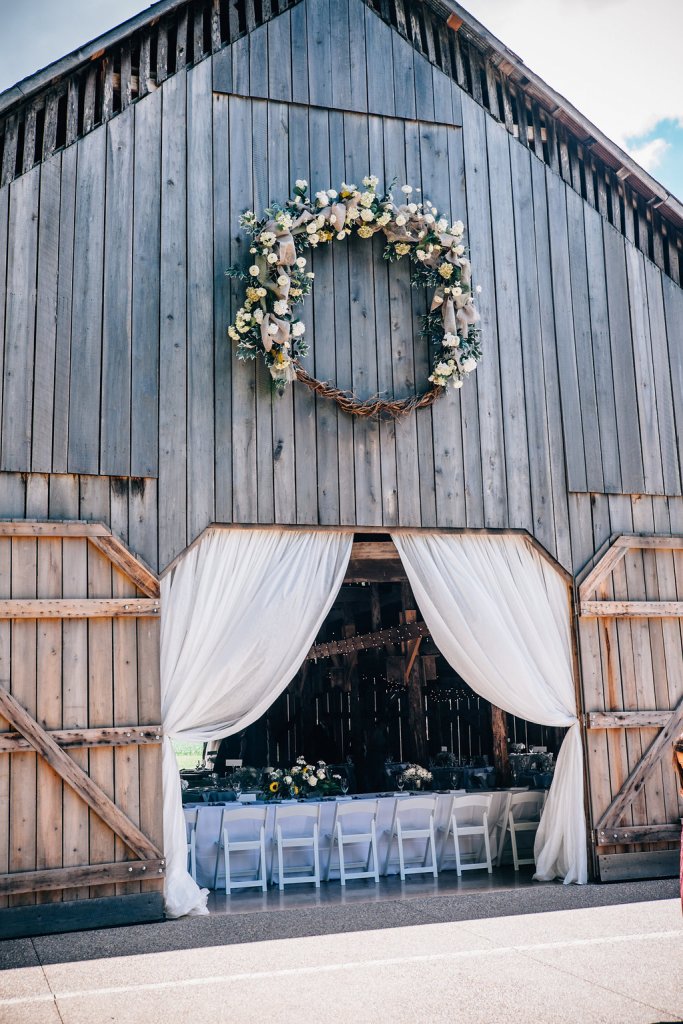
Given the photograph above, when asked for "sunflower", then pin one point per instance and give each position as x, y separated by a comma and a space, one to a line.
274, 786
295, 790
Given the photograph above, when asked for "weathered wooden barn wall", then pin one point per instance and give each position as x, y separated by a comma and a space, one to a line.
122, 402
115, 358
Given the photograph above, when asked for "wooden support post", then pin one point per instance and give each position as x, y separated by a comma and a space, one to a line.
501, 761
416, 714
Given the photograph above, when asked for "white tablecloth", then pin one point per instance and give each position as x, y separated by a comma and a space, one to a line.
209, 818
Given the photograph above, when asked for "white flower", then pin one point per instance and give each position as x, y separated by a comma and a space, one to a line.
406, 189
310, 275
301, 183
282, 281
331, 193
457, 382
421, 254
258, 316
457, 290
443, 224
353, 213
322, 198
281, 308
367, 215
313, 239
384, 219
367, 199
311, 227
253, 250
400, 220
478, 289
320, 221
254, 270
371, 181
469, 364
287, 780
451, 340
458, 227
272, 329
320, 773
459, 250
341, 236
262, 291
298, 329
300, 262
428, 218
443, 369
272, 257
296, 769
412, 207
267, 237
312, 781
346, 187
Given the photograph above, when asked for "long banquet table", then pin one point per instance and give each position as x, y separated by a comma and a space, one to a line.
209, 816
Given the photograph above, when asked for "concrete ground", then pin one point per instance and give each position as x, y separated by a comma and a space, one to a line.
542, 954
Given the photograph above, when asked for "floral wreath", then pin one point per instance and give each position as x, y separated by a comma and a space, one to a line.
277, 279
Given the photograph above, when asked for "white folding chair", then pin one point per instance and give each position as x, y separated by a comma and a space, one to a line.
341, 836
296, 828
245, 821
523, 815
469, 817
191, 818
402, 833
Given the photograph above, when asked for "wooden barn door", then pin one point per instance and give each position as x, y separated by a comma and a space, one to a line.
630, 625
80, 754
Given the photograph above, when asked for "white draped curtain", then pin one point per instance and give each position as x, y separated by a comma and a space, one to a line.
499, 613
239, 614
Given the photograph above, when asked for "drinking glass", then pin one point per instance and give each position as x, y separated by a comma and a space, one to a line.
344, 784
400, 782
237, 786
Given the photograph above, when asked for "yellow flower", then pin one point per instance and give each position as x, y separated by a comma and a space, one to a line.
446, 270
274, 786
295, 790
402, 249
365, 231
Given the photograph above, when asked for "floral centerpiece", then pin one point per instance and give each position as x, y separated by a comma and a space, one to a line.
301, 780
415, 777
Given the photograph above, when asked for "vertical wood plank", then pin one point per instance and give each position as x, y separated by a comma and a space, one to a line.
542, 230
200, 378
223, 356
601, 352
258, 62
95, 504
341, 65
319, 52
86, 320
362, 326
662, 380
279, 58
539, 468
23, 772
60, 442
4, 234
402, 325
303, 454
403, 57
20, 314
117, 299
492, 444
510, 353
342, 339
630, 451
244, 486
645, 384
378, 43
46, 316
673, 315
173, 314
145, 320
299, 49
564, 334
578, 268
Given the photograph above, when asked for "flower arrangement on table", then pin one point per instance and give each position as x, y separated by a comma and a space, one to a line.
277, 280
301, 780
415, 777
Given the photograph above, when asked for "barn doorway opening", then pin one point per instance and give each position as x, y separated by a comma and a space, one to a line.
376, 706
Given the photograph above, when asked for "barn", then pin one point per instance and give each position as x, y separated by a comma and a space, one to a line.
187, 551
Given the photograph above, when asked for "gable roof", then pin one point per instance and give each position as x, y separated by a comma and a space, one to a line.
53, 107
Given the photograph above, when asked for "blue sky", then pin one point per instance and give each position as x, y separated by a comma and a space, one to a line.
615, 60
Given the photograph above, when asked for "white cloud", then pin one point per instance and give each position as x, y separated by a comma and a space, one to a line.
650, 154
606, 59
